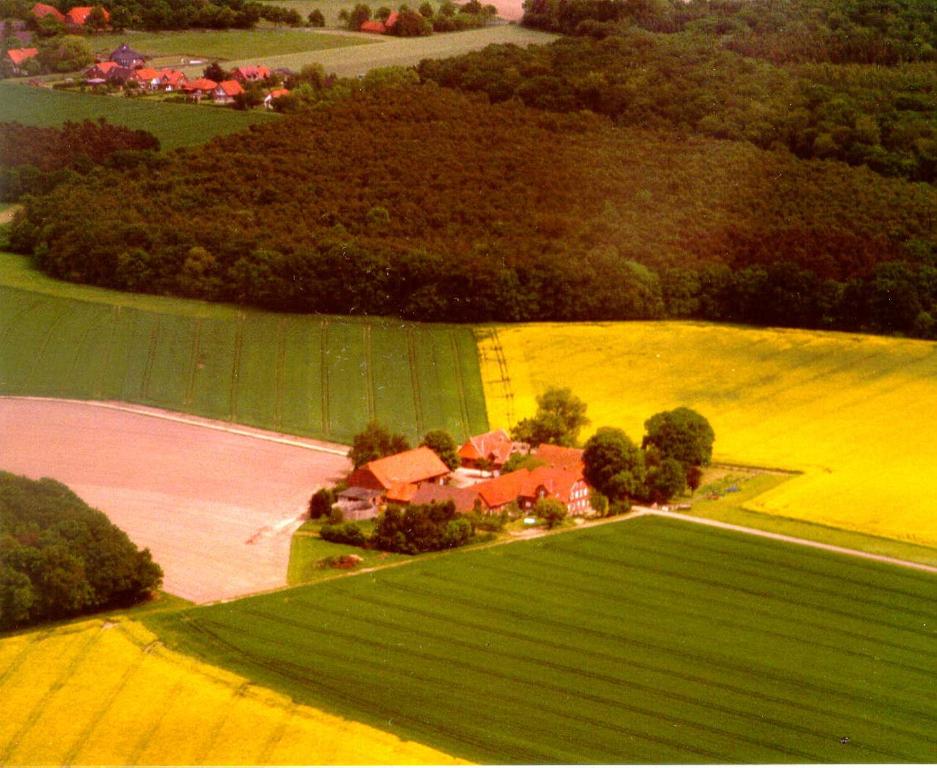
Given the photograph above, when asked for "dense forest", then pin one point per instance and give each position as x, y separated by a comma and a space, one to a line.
429, 204
35, 159
162, 14
884, 118
790, 31
59, 558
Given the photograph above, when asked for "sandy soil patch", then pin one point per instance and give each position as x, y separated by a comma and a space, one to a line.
216, 503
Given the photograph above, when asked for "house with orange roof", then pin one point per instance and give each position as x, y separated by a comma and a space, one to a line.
559, 456
391, 21
487, 451
226, 90
466, 500
19, 56
275, 94
200, 88
79, 15
374, 26
171, 80
43, 10
250, 74
399, 477
526, 487
147, 78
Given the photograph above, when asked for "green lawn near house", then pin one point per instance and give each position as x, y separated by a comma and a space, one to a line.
308, 552
649, 640
321, 376
175, 125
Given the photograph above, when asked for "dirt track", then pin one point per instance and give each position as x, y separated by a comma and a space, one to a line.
215, 503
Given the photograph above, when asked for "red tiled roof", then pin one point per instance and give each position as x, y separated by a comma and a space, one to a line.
172, 76
79, 15
145, 74
524, 483
492, 446
276, 93
413, 466
19, 55
40, 10
464, 498
202, 84
558, 456
105, 66
372, 26
392, 20
253, 72
230, 87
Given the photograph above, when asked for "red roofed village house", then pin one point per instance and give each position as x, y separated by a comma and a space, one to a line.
373, 26
199, 89
252, 74
275, 94
487, 451
226, 90
41, 10
78, 16
147, 78
19, 56
394, 479
171, 80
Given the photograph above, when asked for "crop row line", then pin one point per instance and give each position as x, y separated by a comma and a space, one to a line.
150, 359
44, 344
415, 382
189, 395
147, 733
460, 384
619, 636
752, 591
443, 683
773, 563
514, 659
324, 372
368, 369
236, 364
407, 608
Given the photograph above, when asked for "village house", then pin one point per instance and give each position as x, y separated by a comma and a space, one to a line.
127, 57
42, 10
147, 78
19, 56
560, 456
374, 26
78, 17
199, 89
226, 90
275, 94
395, 479
252, 74
487, 451
171, 80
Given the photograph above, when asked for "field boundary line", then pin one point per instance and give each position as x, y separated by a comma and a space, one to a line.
205, 424
791, 539
278, 373
369, 369
324, 373
189, 395
236, 364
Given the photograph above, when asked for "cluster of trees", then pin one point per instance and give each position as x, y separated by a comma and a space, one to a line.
158, 15
375, 441
59, 558
449, 17
885, 119
410, 530
676, 445
884, 32
466, 211
34, 159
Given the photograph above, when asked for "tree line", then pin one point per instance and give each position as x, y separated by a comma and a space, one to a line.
465, 211
883, 32
884, 119
35, 159
60, 558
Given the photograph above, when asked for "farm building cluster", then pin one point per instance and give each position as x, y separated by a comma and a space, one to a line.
77, 19
126, 67
419, 476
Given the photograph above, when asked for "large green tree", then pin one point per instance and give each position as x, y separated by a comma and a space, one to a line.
374, 442
443, 445
559, 419
681, 434
614, 465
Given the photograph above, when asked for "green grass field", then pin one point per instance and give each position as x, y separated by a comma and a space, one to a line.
644, 641
307, 375
330, 8
225, 44
307, 551
175, 125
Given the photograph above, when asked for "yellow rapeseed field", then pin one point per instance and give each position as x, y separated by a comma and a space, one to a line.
107, 692
856, 414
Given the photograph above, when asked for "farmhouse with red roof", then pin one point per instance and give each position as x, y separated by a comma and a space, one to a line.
373, 26
398, 477
19, 56
199, 89
171, 80
251, 74
275, 94
79, 15
391, 21
560, 456
147, 78
42, 10
487, 451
